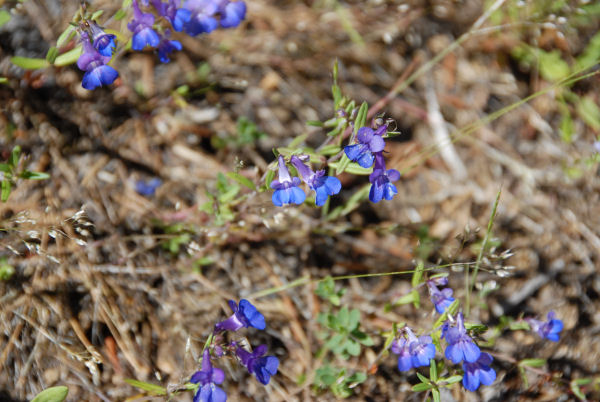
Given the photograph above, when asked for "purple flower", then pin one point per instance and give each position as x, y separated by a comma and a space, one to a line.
441, 299
171, 11
478, 372
94, 64
202, 16
141, 26
324, 186
369, 142
167, 46
422, 349
460, 345
413, 351
548, 330
286, 188
244, 316
103, 42
207, 378
401, 348
232, 13
263, 367
381, 181
147, 188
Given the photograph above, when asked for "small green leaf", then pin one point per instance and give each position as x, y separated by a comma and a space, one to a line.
452, 380
29, 63
533, 362
68, 58
361, 117
329, 150
54, 394
97, 14
65, 36
519, 326
352, 347
6, 168
354, 319
51, 55
314, 123
242, 180
146, 386
435, 393
406, 299
433, 371
14, 156
552, 65
343, 317
422, 387
418, 274
589, 112
363, 338
119, 15
423, 378
3, 80
6, 270
345, 165
357, 378
5, 190
34, 175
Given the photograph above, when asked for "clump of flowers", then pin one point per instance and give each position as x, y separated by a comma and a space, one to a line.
151, 26
245, 315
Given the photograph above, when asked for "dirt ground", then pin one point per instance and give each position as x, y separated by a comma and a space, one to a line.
98, 296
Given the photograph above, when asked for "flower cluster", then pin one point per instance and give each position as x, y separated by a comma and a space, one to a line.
152, 25
245, 315
287, 188
369, 149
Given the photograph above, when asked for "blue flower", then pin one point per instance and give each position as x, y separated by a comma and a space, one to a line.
207, 378
324, 186
232, 13
478, 372
147, 188
167, 46
549, 330
413, 351
369, 142
401, 348
263, 367
244, 316
286, 188
98, 73
103, 42
141, 26
460, 345
381, 181
169, 10
202, 16
441, 299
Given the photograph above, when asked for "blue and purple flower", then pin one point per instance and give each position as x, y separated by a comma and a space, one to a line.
324, 186
369, 143
460, 345
244, 316
263, 367
478, 372
142, 27
208, 378
381, 181
287, 190
442, 299
97, 72
548, 330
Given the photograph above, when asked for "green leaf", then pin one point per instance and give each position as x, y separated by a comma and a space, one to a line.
242, 180
3, 80
422, 387
354, 319
6, 168
97, 14
6, 270
433, 370
314, 123
352, 347
54, 394
423, 378
435, 393
14, 156
68, 58
406, 299
329, 150
343, 317
567, 128
65, 36
451, 309
452, 380
29, 63
5, 190
34, 175
361, 117
552, 66
51, 55
532, 362
4, 17
119, 15
146, 386
363, 338
589, 112
345, 165
357, 378
519, 325
418, 274
297, 141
